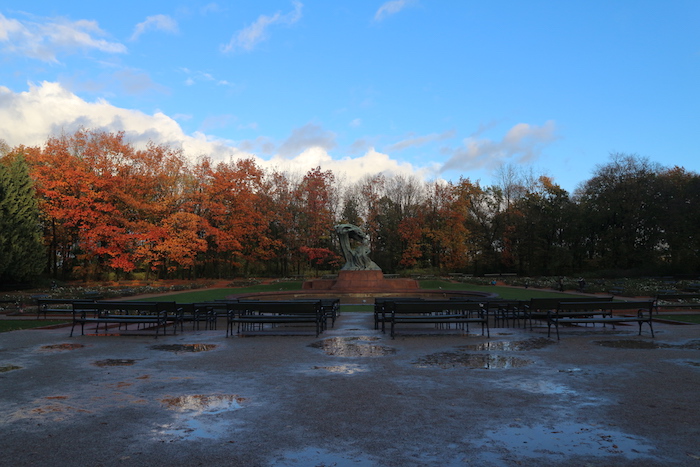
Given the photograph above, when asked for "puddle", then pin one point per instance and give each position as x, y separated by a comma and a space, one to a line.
62, 347
202, 403
529, 344
694, 345
571, 371
546, 387
184, 347
632, 344
320, 458
199, 416
566, 440
114, 362
6, 368
474, 361
358, 346
342, 369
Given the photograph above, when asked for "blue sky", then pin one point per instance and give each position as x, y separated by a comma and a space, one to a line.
440, 89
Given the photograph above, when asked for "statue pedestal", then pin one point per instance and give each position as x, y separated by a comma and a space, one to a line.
361, 281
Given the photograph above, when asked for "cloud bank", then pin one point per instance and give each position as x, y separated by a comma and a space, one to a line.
48, 109
522, 143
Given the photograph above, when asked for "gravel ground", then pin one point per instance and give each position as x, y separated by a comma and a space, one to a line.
352, 397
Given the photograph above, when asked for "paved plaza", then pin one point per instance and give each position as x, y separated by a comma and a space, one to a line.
352, 397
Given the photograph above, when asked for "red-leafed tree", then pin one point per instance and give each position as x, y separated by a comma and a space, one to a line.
75, 184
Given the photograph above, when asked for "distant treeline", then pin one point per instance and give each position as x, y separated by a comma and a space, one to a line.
91, 206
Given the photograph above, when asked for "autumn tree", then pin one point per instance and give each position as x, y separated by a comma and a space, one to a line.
283, 208
315, 205
232, 199
371, 190
445, 226
318, 196
75, 192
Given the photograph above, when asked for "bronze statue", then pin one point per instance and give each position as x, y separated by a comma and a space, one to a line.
356, 259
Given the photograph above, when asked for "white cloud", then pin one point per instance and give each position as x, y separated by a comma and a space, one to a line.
156, 22
310, 135
194, 77
354, 169
390, 8
522, 143
247, 38
44, 41
210, 8
48, 109
420, 140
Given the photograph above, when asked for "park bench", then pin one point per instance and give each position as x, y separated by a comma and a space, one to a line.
57, 306
507, 312
200, 312
382, 307
677, 301
331, 309
438, 312
253, 314
155, 315
597, 312
539, 308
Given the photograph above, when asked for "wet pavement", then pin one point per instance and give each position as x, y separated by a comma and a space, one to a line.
352, 397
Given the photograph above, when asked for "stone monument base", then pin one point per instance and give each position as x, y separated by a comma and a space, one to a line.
361, 281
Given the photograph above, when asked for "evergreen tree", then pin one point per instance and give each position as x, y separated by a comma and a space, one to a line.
21, 245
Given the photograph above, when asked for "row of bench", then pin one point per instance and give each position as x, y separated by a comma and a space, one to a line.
554, 311
245, 315
576, 310
248, 315
676, 301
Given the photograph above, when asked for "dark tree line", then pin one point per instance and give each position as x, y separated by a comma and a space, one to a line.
21, 243
91, 206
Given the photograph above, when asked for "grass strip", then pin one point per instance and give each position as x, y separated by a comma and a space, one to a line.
506, 293
19, 324
694, 319
209, 295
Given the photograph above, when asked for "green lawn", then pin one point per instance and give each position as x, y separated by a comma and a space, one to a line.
695, 319
220, 294
18, 324
507, 293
